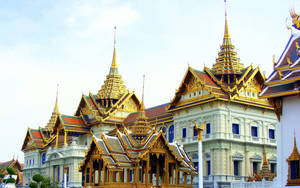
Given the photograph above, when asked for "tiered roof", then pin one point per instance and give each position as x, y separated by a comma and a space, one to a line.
123, 150
285, 78
228, 80
113, 87
227, 62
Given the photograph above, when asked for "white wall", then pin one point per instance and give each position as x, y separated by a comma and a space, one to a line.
289, 123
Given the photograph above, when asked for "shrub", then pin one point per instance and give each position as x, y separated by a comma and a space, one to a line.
33, 185
46, 183
38, 178
9, 180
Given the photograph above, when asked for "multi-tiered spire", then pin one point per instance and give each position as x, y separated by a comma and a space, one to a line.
141, 128
54, 115
228, 64
113, 87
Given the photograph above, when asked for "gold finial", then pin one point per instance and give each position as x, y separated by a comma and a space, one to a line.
114, 60
56, 102
142, 104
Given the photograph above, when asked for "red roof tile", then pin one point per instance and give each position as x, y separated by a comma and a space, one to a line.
37, 134
206, 78
73, 121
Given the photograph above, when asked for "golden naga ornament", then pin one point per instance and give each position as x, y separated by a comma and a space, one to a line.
296, 19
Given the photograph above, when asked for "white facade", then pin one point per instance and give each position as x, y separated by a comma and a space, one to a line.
51, 163
289, 124
221, 148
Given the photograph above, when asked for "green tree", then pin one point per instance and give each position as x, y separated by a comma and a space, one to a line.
38, 178
46, 183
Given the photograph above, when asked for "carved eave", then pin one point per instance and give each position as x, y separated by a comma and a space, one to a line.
28, 137
190, 73
93, 145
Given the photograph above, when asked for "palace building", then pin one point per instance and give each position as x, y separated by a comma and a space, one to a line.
282, 89
238, 122
62, 143
112, 141
138, 156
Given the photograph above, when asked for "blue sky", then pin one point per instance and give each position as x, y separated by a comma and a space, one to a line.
70, 43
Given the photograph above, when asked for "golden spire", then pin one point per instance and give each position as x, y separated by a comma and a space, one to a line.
141, 127
227, 62
113, 87
56, 102
142, 110
295, 156
114, 67
54, 115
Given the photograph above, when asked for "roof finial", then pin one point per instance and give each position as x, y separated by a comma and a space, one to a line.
56, 102
142, 105
114, 67
226, 33
115, 32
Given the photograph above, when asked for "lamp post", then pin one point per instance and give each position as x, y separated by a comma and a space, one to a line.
200, 169
65, 176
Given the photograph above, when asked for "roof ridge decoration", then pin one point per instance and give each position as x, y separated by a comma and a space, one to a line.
227, 63
113, 87
295, 19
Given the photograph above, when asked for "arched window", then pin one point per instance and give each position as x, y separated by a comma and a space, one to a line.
171, 133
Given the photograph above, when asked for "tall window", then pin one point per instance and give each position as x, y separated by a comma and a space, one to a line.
271, 133
58, 173
255, 166
208, 167
43, 158
207, 128
171, 133
235, 128
273, 168
83, 178
236, 168
87, 175
195, 131
294, 170
183, 132
67, 175
254, 131
32, 162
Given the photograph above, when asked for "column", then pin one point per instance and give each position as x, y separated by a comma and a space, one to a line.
147, 170
157, 173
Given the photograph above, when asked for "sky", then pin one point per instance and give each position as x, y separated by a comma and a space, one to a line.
70, 43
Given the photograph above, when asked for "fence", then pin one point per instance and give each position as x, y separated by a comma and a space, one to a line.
256, 184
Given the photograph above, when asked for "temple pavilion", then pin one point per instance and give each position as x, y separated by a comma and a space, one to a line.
136, 156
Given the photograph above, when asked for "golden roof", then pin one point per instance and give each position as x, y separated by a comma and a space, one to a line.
227, 61
113, 87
